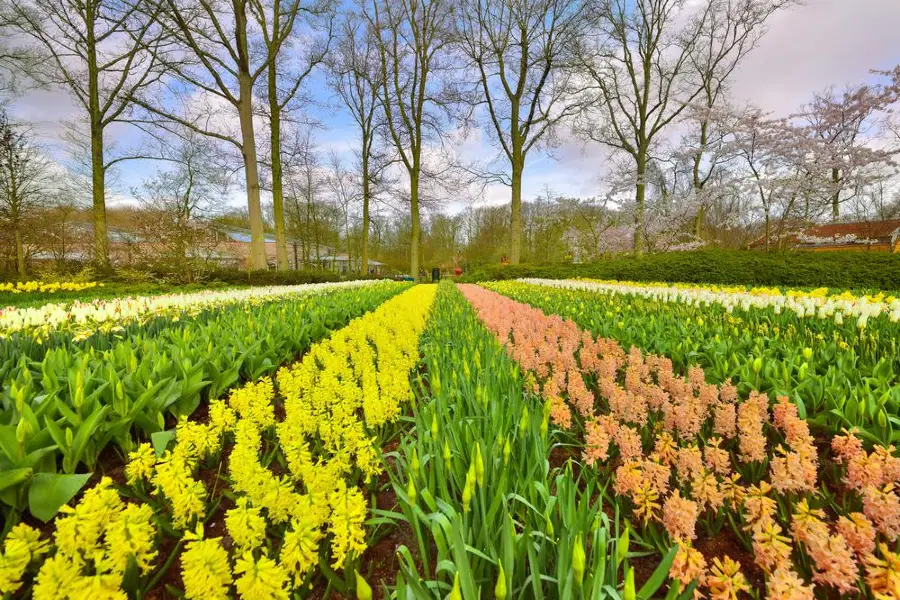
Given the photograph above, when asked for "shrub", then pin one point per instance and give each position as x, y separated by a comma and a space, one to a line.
857, 270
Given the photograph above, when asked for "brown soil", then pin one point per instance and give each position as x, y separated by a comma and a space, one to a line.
727, 543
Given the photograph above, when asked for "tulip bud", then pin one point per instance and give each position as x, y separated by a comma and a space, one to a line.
578, 560
411, 491
434, 427
807, 353
467, 496
160, 420
629, 592
479, 465
436, 384
500, 588
69, 437
801, 373
22, 431
507, 450
78, 400
622, 545
523, 422
455, 593
414, 463
838, 318
757, 364
363, 589
20, 400
447, 454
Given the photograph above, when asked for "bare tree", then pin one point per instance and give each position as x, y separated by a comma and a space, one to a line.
841, 125
522, 52
215, 65
730, 32
17, 61
177, 202
278, 21
344, 192
97, 50
24, 177
412, 36
356, 79
305, 186
638, 60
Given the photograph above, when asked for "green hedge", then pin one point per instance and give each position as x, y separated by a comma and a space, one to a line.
850, 270
241, 277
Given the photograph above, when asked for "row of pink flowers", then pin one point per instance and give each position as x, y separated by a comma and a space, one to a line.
681, 450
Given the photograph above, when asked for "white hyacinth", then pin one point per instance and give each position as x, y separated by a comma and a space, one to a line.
802, 305
120, 311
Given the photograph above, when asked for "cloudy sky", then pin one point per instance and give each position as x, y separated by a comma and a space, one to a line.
808, 48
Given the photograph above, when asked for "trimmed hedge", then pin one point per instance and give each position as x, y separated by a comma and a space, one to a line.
848, 270
272, 277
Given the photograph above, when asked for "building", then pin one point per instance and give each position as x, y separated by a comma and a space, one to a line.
344, 264
234, 246
859, 236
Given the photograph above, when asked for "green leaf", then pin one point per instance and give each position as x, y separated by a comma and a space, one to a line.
14, 477
161, 439
50, 491
659, 576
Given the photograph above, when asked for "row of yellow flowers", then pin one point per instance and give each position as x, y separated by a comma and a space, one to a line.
279, 523
47, 287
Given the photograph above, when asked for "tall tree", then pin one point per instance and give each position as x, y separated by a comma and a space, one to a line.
731, 31
841, 125
215, 64
638, 61
176, 202
278, 21
412, 36
99, 51
356, 78
522, 52
24, 178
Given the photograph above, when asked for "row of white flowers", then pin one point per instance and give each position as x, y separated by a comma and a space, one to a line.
837, 307
84, 317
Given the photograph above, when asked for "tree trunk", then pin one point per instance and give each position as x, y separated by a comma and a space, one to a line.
98, 169
515, 246
699, 219
698, 183
251, 169
281, 255
415, 232
640, 194
768, 229
836, 197
364, 250
20, 250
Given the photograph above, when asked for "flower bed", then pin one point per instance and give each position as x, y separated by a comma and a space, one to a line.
245, 502
838, 375
58, 414
85, 318
685, 456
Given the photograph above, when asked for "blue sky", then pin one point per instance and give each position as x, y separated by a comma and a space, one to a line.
821, 43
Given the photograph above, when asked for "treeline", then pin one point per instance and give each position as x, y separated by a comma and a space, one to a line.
219, 94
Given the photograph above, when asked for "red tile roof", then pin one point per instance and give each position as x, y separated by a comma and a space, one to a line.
862, 229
